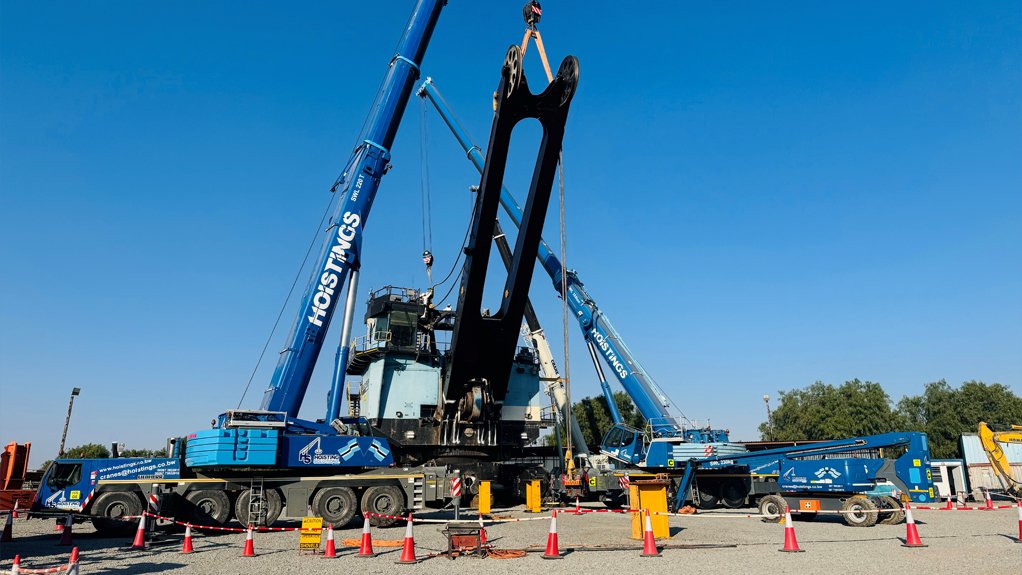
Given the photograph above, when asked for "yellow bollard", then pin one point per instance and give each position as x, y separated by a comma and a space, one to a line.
652, 495
533, 497
484, 497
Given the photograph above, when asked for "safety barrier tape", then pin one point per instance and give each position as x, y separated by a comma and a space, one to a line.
61, 569
544, 517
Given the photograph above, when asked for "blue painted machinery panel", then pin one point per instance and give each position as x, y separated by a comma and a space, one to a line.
220, 447
337, 451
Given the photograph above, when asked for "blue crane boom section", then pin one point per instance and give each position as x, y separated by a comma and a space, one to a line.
357, 187
649, 399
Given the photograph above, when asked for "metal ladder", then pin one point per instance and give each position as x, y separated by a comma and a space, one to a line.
256, 502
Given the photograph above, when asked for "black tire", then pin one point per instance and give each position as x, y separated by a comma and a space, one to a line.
614, 499
336, 505
210, 507
773, 507
271, 508
109, 509
709, 498
859, 511
896, 514
384, 500
733, 493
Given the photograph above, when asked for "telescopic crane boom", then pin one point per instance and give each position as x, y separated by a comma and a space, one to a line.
342, 246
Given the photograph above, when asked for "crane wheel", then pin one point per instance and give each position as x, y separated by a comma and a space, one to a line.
109, 509
270, 508
209, 506
859, 511
336, 505
772, 506
384, 500
895, 516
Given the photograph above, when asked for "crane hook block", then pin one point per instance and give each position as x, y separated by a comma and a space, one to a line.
532, 12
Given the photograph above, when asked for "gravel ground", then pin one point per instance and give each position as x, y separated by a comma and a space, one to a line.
959, 542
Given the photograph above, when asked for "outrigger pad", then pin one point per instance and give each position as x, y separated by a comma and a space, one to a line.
483, 348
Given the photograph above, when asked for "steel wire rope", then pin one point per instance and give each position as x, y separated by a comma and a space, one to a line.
427, 215
326, 212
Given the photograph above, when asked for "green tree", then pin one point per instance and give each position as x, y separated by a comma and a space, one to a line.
144, 452
823, 411
88, 451
594, 418
944, 413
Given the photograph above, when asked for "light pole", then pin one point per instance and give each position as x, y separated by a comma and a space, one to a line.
67, 420
769, 424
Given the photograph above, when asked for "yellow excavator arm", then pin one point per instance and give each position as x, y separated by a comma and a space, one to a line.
991, 442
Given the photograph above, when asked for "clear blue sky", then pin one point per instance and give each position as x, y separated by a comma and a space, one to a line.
759, 194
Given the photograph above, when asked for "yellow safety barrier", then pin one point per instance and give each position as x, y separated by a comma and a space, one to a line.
533, 496
649, 495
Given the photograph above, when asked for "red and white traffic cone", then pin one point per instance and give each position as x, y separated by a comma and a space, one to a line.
139, 542
949, 506
1019, 540
16, 566
186, 547
249, 544
578, 507
8, 534
72, 563
790, 543
14, 512
65, 536
648, 541
552, 552
58, 526
911, 533
989, 502
408, 550
366, 549
482, 531
331, 550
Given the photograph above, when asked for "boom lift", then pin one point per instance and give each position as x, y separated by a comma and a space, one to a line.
991, 442
253, 463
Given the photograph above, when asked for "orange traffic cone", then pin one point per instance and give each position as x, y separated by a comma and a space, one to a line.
14, 512
648, 541
551, 541
72, 563
408, 551
8, 534
249, 544
1019, 540
911, 533
989, 502
331, 550
58, 526
482, 532
186, 547
366, 549
139, 542
949, 506
790, 543
16, 566
65, 536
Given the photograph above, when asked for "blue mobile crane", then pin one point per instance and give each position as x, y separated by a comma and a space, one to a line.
703, 463
255, 463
